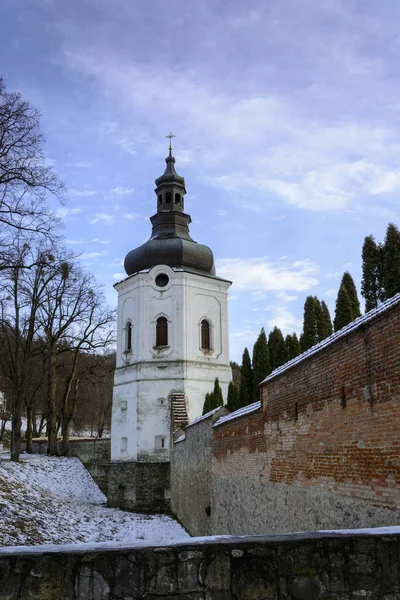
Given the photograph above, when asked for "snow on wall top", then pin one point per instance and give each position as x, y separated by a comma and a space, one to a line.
206, 416
335, 336
239, 413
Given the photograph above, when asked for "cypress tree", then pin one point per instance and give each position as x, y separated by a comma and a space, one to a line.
206, 405
372, 269
276, 345
309, 337
261, 362
233, 402
391, 266
246, 380
235, 373
344, 309
292, 346
217, 398
348, 283
325, 329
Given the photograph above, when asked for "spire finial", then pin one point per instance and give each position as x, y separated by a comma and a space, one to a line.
170, 136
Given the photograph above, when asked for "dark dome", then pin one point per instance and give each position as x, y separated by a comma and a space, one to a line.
174, 252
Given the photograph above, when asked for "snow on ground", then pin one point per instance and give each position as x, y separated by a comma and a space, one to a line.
49, 500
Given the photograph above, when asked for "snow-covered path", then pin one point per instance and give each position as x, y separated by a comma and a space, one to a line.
46, 500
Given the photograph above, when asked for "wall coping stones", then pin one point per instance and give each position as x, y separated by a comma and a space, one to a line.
369, 316
245, 410
386, 533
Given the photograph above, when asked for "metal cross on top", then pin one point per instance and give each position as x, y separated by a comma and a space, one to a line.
170, 136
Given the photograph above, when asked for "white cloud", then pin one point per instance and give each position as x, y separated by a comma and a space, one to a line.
130, 216
76, 192
260, 274
88, 255
65, 211
83, 164
119, 276
103, 217
257, 147
285, 320
82, 241
122, 191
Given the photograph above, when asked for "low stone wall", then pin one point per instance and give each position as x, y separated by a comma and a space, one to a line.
139, 486
297, 566
191, 485
88, 450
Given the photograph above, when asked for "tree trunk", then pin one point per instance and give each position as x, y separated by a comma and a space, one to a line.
52, 413
29, 431
65, 439
34, 423
16, 427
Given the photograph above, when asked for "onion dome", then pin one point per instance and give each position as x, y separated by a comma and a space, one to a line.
170, 243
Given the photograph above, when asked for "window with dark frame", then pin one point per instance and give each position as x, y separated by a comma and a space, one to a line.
177, 199
128, 345
168, 197
205, 335
162, 332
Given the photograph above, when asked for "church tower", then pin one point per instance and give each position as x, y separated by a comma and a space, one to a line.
172, 332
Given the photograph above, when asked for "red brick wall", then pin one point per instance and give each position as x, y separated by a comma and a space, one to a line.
332, 422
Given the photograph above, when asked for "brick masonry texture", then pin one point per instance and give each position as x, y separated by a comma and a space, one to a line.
324, 450
292, 567
191, 476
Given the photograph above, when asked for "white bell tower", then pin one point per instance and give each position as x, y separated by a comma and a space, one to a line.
172, 332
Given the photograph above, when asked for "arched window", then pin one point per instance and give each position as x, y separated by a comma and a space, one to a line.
162, 332
159, 200
168, 197
205, 335
177, 199
128, 337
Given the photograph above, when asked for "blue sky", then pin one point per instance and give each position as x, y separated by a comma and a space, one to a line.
287, 122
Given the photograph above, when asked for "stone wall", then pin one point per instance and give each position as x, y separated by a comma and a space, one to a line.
322, 452
191, 487
88, 450
139, 486
298, 567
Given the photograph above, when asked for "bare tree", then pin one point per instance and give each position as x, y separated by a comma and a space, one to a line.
25, 178
22, 291
73, 314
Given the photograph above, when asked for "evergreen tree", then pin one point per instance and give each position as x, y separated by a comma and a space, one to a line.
348, 283
276, 345
344, 309
246, 381
216, 396
325, 328
292, 347
235, 373
391, 265
261, 363
233, 402
206, 405
312, 316
372, 268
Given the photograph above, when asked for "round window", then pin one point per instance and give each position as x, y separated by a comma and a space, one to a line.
162, 280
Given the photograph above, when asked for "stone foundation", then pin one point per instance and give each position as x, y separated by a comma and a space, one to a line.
139, 486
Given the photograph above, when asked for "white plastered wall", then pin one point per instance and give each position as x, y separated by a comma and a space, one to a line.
146, 376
